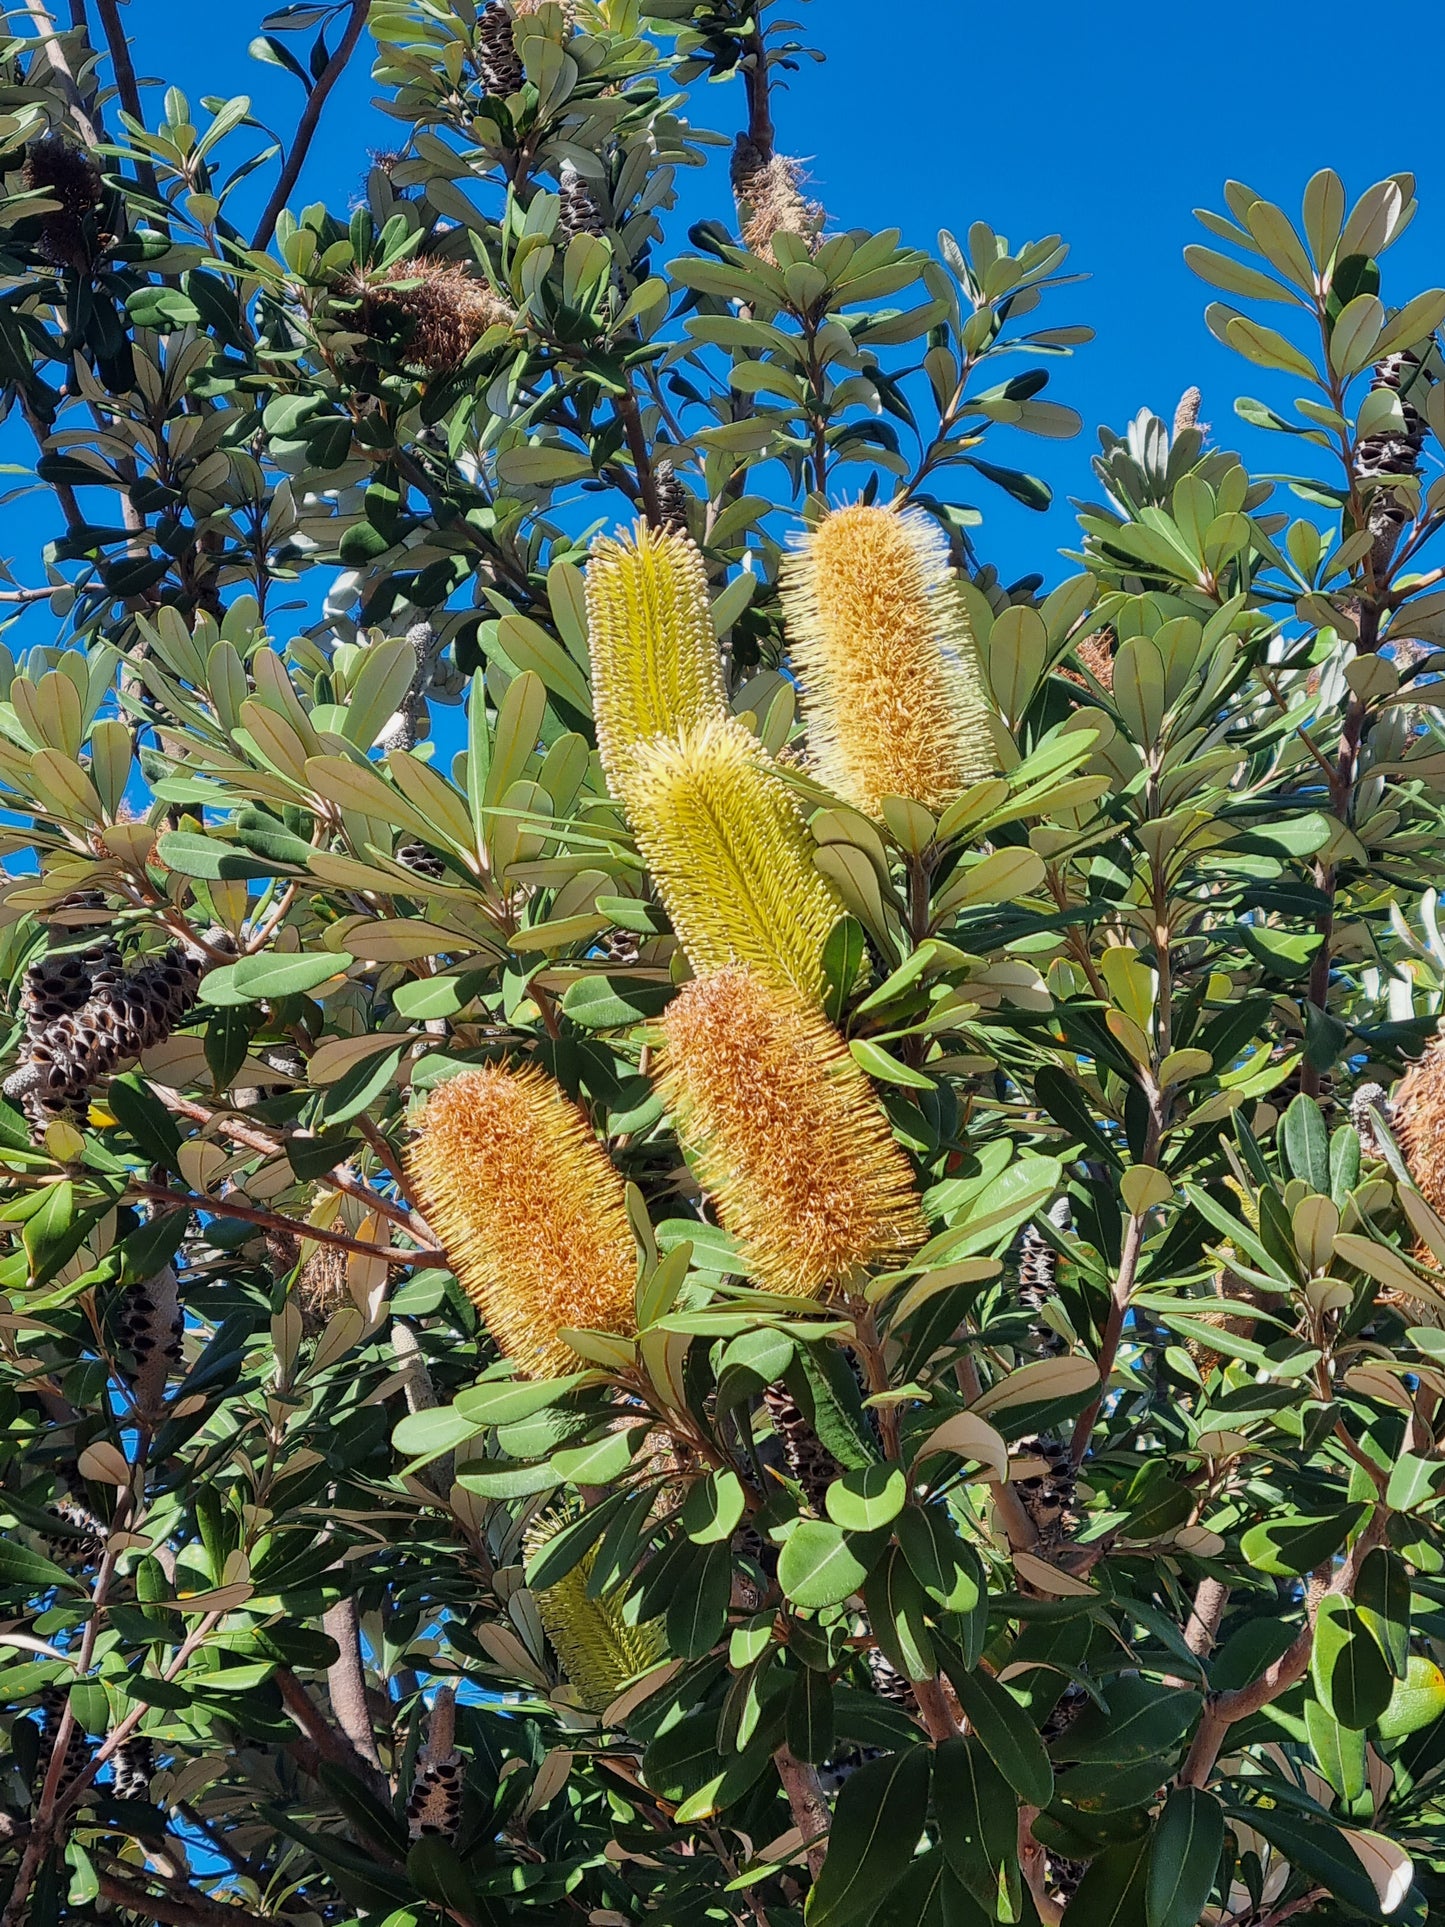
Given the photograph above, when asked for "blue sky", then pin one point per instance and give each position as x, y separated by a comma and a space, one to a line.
1107, 124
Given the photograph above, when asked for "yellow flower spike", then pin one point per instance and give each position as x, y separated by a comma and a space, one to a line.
595, 1647
893, 695
531, 1212
730, 855
788, 1137
655, 662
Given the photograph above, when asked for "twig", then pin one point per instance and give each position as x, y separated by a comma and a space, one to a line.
190, 1909
60, 65
331, 1745
309, 121
126, 86
809, 1805
273, 1221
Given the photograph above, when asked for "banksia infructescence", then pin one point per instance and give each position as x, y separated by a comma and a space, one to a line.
66, 1054
497, 60
673, 500
530, 1210
654, 657
150, 1326
434, 1805
68, 176
768, 189
893, 696
53, 1700
596, 1648
788, 1137
134, 1766
430, 313
730, 855
579, 212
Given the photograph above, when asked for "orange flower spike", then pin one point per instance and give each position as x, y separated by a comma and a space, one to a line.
530, 1210
787, 1135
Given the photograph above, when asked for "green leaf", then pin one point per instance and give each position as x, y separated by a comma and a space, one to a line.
1299, 1542
843, 954
1340, 1751
886, 1069
1382, 1599
1306, 1144
810, 1717
279, 974
896, 1611
1113, 1891
867, 1497
30, 1572
876, 1825
820, 1565
606, 1003
1349, 1670
1184, 1851
208, 858
141, 1114
426, 1435
713, 1508
947, 1568
978, 1826
1005, 1731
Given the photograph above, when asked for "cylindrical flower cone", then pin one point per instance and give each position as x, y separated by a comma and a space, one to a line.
892, 692
788, 1138
655, 662
598, 1651
730, 855
531, 1212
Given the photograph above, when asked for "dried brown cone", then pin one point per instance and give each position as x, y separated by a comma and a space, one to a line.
321, 1288
433, 312
434, 1806
1096, 653
1233, 1323
150, 1327
77, 1747
1049, 1494
1392, 453
68, 176
423, 862
1186, 415
672, 497
134, 1761
579, 213
808, 1460
498, 63
769, 193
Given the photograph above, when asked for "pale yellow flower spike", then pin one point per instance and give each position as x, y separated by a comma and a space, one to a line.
530, 1210
788, 1138
730, 855
596, 1648
892, 693
655, 663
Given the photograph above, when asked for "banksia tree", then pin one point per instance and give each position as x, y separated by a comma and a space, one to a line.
655, 663
530, 1211
787, 1135
892, 689
727, 847
801, 1297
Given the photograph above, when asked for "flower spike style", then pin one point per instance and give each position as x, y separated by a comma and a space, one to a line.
730, 855
530, 1210
893, 695
655, 662
787, 1135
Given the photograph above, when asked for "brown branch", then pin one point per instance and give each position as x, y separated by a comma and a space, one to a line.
274, 1221
309, 121
346, 1681
1222, 1710
60, 66
809, 1804
126, 85
190, 1908
332, 1746
759, 89
1210, 1600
